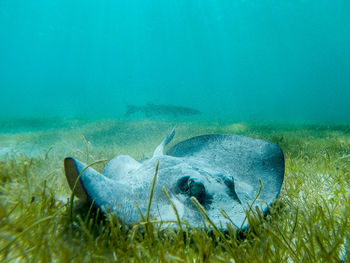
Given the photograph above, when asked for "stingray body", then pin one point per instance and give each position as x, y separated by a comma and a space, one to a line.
220, 171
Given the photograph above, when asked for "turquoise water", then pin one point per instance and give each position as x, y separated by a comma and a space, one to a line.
282, 60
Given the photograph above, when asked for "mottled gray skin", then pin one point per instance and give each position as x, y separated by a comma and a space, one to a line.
220, 171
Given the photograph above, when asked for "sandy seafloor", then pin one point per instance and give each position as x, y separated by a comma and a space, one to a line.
317, 155
89, 140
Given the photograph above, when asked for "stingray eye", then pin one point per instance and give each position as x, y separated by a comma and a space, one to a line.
182, 184
192, 187
197, 190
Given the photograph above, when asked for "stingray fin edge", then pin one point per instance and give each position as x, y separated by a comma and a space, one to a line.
72, 169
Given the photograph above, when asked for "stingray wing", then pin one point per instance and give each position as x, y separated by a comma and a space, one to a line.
245, 159
91, 185
72, 169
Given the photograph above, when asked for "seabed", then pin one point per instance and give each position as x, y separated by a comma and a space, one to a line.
39, 221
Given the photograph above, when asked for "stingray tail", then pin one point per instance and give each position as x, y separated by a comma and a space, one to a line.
159, 150
169, 137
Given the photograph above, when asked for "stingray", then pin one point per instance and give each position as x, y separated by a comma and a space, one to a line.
220, 171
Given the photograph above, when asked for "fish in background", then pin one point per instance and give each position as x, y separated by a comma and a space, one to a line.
151, 109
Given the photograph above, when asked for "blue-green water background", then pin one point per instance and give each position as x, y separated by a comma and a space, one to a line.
279, 60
